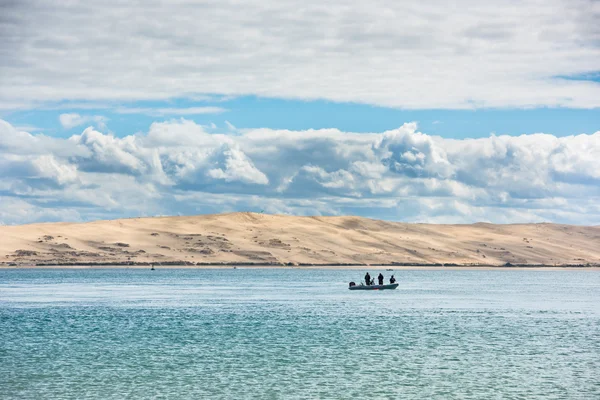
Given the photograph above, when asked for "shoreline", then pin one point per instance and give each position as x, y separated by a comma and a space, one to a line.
312, 267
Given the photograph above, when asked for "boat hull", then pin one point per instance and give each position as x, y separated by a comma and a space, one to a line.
374, 287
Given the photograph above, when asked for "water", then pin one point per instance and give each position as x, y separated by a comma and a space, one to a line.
297, 334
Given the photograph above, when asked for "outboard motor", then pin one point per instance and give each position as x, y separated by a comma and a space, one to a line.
352, 284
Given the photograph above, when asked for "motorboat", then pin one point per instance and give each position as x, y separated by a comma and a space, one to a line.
373, 287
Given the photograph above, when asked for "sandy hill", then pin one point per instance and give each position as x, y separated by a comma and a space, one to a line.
276, 239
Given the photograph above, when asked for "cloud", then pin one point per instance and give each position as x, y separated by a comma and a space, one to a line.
49, 167
178, 167
161, 112
29, 128
230, 126
107, 153
233, 165
71, 120
410, 54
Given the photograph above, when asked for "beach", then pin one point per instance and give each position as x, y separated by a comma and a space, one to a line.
378, 268
259, 240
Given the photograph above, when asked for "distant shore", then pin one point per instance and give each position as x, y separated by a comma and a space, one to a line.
311, 266
277, 241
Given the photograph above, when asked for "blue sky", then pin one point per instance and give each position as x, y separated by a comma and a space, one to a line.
453, 113
254, 112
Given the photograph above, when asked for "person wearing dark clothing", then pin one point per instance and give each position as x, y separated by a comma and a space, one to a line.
392, 280
380, 279
367, 279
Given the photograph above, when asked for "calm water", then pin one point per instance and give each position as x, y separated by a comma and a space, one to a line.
293, 334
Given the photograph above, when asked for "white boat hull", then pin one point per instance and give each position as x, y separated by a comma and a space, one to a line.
374, 287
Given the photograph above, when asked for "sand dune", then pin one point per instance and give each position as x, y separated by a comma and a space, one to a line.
249, 238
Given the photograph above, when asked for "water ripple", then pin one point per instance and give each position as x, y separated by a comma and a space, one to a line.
293, 334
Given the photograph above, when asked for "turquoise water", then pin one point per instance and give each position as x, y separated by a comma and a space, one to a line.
297, 334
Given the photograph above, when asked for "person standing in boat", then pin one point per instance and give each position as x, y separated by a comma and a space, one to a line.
392, 280
367, 279
380, 279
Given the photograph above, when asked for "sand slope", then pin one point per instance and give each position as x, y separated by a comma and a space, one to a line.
276, 239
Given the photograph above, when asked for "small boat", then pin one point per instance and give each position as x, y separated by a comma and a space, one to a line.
374, 287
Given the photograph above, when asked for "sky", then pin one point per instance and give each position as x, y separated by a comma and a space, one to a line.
437, 112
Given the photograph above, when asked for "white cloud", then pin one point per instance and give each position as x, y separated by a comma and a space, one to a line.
180, 168
18, 211
29, 128
61, 171
71, 120
230, 126
161, 112
108, 153
236, 166
409, 54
